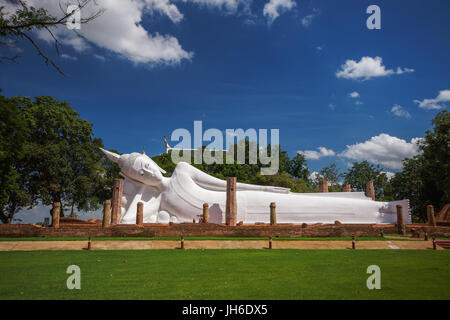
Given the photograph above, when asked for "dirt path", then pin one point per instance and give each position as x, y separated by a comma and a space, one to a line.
210, 244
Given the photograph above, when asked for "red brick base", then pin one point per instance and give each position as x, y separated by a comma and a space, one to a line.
211, 229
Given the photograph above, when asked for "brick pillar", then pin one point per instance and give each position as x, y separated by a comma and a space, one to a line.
205, 213
400, 223
346, 187
106, 213
323, 186
140, 214
431, 216
273, 213
370, 190
231, 210
56, 211
116, 211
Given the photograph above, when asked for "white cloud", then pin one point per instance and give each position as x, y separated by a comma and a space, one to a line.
274, 8
383, 149
119, 30
332, 106
228, 5
99, 57
436, 103
389, 174
307, 20
359, 102
354, 94
165, 7
367, 68
400, 112
314, 176
68, 57
315, 155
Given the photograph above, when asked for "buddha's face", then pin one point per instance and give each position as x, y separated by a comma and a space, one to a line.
138, 167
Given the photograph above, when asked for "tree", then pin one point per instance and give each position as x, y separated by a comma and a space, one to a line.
13, 183
362, 172
26, 19
425, 179
408, 184
331, 174
63, 158
298, 168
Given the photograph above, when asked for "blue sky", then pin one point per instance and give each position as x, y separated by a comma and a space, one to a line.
231, 66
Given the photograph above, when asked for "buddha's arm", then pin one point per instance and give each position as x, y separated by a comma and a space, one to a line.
212, 183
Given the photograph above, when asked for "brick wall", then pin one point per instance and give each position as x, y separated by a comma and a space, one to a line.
211, 229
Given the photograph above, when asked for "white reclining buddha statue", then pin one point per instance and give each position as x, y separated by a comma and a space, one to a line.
180, 198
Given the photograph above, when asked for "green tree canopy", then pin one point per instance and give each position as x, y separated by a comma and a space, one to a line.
425, 179
62, 155
13, 181
362, 172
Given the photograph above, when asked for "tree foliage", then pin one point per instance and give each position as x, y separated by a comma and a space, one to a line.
425, 179
60, 159
25, 19
13, 183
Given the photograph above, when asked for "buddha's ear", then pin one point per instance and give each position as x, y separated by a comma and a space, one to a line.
154, 163
114, 157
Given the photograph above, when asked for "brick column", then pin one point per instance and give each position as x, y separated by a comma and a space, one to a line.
106, 213
370, 190
346, 187
323, 186
400, 222
56, 211
116, 211
140, 214
231, 210
431, 216
273, 214
205, 213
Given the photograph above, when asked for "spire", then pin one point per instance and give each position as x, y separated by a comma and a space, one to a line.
143, 151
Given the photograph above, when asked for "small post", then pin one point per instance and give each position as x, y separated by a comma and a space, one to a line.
56, 211
116, 210
370, 190
270, 242
182, 242
431, 216
273, 214
106, 214
231, 208
426, 236
323, 186
434, 243
400, 222
353, 242
89, 243
140, 214
382, 234
346, 187
205, 218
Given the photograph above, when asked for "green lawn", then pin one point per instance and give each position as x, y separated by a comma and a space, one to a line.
226, 274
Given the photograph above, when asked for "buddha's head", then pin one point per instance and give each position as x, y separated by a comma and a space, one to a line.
137, 167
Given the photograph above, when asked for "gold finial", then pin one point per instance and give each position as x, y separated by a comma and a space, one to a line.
143, 151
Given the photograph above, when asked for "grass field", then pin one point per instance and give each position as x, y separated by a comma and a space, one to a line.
226, 274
